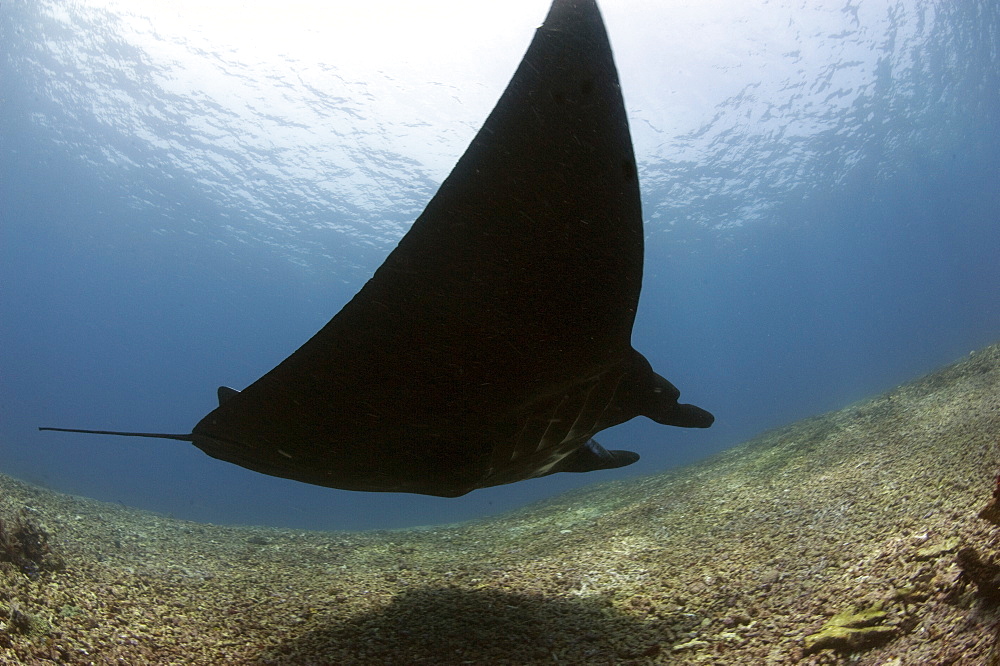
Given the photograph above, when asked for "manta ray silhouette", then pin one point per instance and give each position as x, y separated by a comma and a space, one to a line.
495, 340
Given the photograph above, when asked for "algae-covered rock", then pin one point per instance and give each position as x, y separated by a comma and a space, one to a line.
938, 549
913, 593
850, 630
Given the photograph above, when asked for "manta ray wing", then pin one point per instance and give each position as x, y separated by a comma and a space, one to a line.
495, 340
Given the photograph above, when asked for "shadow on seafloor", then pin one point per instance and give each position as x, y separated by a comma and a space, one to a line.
453, 625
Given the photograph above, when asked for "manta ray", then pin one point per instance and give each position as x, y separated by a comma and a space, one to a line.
494, 342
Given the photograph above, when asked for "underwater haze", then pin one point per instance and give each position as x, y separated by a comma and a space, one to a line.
190, 190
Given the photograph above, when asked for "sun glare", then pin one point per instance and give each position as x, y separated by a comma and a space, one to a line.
369, 33
418, 78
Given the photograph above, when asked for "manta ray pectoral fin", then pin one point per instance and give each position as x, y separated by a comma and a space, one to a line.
225, 394
592, 456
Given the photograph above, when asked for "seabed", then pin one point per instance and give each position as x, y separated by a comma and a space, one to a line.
851, 537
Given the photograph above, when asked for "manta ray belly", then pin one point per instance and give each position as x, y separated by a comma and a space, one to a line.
555, 426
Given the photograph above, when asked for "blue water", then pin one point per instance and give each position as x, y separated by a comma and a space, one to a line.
189, 191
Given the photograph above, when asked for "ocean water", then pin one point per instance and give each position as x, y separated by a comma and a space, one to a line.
188, 191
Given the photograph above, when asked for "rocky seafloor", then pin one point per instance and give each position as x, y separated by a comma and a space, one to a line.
851, 537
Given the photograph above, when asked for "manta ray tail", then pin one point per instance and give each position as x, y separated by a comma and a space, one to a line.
161, 435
